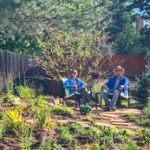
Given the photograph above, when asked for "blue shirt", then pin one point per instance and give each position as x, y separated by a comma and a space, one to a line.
69, 83
123, 81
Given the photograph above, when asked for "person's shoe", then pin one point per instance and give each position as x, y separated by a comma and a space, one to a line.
106, 109
113, 108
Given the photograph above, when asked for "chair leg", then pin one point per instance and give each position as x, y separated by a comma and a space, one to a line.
128, 102
96, 105
101, 100
64, 102
119, 102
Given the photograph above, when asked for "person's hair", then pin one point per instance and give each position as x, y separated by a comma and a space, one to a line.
74, 71
119, 68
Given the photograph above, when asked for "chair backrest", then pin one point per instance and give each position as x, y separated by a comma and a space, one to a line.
67, 93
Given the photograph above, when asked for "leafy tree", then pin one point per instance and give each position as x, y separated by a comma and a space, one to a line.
127, 41
122, 30
25, 24
64, 53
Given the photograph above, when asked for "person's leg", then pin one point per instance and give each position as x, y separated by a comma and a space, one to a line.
85, 96
106, 98
114, 99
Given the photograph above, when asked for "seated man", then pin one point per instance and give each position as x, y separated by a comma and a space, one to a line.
77, 86
115, 87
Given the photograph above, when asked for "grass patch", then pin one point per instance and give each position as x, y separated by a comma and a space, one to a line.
62, 111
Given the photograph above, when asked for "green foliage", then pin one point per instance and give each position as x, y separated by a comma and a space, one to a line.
76, 128
2, 128
62, 111
92, 133
143, 121
25, 92
144, 136
64, 135
25, 143
52, 145
76, 50
43, 119
25, 25
147, 108
143, 88
131, 146
24, 132
85, 109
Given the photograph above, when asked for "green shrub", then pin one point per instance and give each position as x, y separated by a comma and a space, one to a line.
122, 136
147, 108
92, 133
143, 121
131, 146
64, 135
40, 102
62, 111
144, 136
85, 109
24, 132
25, 143
143, 87
43, 119
2, 129
25, 92
52, 145
76, 128
107, 135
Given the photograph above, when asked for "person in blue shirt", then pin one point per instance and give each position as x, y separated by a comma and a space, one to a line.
116, 86
77, 86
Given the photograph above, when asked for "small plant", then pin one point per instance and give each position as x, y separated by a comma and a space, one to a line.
25, 92
147, 108
64, 135
97, 146
107, 135
25, 143
144, 136
92, 133
2, 129
62, 111
24, 132
52, 145
122, 136
85, 109
40, 102
76, 128
131, 146
12, 119
44, 120
143, 120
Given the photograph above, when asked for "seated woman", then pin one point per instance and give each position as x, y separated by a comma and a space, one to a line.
116, 86
77, 86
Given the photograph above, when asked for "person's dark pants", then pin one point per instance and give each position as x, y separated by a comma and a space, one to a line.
85, 96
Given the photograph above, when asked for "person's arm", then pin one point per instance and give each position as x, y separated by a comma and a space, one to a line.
107, 84
67, 84
125, 85
82, 83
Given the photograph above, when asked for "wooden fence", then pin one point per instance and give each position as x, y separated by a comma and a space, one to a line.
13, 65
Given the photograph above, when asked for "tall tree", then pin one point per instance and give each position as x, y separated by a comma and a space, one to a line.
122, 30
25, 24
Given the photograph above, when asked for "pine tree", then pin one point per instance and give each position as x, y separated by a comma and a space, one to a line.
143, 88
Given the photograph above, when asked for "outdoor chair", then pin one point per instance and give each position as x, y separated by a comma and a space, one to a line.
120, 99
76, 96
